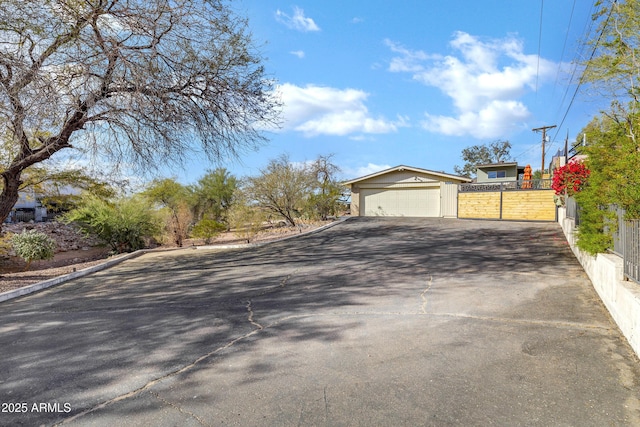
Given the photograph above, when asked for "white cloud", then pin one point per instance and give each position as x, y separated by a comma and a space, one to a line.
298, 53
483, 78
298, 21
320, 110
364, 170
496, 118
409, 60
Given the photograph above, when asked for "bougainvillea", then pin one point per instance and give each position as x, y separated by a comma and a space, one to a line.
570, 178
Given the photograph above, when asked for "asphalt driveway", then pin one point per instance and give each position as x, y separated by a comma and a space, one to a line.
376, 321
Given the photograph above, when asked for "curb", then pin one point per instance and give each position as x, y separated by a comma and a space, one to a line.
293, 236
35, 287
61, 279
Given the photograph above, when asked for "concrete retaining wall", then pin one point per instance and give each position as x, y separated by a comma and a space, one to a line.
621, 297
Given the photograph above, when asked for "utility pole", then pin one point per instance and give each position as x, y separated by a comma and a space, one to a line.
544, 140
566, 149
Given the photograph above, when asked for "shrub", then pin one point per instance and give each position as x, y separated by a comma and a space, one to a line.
207, 229
33, 245
123, 224
246, 220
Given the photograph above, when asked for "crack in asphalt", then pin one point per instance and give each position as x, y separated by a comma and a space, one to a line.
250, 310
423, 295
154, 382
326, 406
261, 328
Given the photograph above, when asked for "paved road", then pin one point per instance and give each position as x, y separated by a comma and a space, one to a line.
372, 322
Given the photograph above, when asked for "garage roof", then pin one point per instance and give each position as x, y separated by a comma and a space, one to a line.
402, 168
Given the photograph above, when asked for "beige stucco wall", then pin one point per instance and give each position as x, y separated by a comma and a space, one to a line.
355, 200
396, 179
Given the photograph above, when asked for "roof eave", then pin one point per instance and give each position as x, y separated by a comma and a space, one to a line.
403, 167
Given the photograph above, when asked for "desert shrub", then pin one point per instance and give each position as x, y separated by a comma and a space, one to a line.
246, 220
33, 245
123, 224
207, 229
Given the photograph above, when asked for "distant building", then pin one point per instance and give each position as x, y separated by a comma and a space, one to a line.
498, 172
557, 161
28, 208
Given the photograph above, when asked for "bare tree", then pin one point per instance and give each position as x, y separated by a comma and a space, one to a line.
326, 197
146, 82
282, 188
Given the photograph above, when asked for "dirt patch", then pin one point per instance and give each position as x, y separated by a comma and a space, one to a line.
13, 276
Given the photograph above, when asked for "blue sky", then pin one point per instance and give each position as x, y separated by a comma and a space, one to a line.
382, 83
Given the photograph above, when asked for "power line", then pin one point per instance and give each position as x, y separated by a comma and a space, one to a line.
539, 45
582, 77
564, 45
579, 54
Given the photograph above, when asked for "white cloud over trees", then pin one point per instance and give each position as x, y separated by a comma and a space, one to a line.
484, 78
320, 110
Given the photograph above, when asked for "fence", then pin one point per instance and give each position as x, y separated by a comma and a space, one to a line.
573, 210
23, 215
534, 184
626, 238
632, 250
529, 200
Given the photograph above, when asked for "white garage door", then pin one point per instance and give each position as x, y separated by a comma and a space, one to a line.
400, 202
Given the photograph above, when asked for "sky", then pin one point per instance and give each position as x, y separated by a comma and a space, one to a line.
381, 83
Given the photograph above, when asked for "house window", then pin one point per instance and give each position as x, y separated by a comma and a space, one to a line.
496, 174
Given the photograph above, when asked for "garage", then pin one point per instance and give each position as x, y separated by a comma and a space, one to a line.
401, 202
405, 191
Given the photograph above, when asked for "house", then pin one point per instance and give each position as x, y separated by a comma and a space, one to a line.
27, 208
405, 191
498, 172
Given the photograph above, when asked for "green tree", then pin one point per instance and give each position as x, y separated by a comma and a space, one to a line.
475, 155
614, 66
213, 195
123, 224
282, 188
60, 189
57, 185
137, 82
613, 149
613, 158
